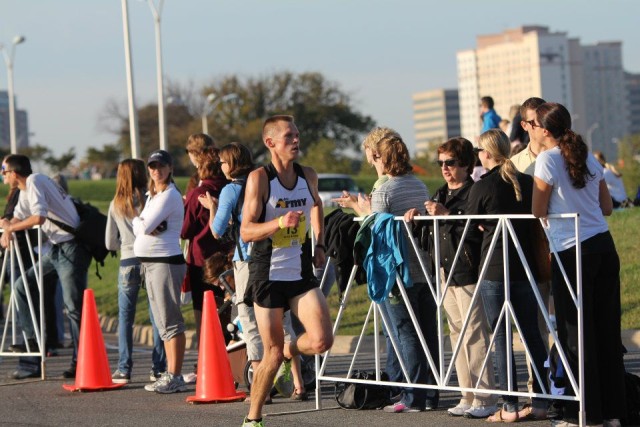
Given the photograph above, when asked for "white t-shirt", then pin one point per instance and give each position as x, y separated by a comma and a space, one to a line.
44, 197
166, 206
615, 186
565, 198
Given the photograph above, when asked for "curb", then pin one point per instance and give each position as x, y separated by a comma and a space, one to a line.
343, 344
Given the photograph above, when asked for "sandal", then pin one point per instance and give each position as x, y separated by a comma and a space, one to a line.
497, 417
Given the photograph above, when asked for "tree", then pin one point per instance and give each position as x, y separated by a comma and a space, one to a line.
321, 110
106, 160
323, 156
58, 164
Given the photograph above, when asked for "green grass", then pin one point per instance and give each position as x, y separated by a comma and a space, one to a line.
623, 226
626, 234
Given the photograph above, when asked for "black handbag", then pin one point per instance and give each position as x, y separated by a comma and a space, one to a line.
362, 396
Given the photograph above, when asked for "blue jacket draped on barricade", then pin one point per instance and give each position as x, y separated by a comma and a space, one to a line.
387, 254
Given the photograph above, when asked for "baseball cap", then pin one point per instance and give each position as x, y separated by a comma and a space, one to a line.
160, 156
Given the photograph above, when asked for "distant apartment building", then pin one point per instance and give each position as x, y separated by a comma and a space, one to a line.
532, 61
633, 102
22, 124
436, 117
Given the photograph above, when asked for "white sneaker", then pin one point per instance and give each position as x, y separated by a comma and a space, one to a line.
479, 411
458, 410
190, 377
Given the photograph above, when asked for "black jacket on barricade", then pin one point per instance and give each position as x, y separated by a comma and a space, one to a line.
340, 234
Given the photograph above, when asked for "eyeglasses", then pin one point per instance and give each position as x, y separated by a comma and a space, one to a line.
448, 163
532, 123
5, 170
476, 150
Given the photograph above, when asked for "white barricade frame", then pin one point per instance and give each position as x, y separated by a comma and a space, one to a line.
504, 229
12, 255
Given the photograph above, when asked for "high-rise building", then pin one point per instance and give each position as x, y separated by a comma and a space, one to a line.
22, 124
633, 102
532, 61
436, 117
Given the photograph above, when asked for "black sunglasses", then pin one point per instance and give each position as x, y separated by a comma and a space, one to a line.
448, 163
532, 123
476, 150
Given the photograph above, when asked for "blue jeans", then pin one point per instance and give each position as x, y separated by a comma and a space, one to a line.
526, 311
392, 365
71, 261
129, 283
414, 358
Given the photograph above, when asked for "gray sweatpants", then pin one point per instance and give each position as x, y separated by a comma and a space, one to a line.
163, 283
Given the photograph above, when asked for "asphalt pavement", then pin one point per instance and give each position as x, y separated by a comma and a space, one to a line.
45, 402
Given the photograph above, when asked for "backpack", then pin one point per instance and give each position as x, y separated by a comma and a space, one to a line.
90, 232
362, 396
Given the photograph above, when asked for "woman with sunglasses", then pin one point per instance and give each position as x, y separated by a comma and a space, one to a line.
456, 160
569, 179
504, 190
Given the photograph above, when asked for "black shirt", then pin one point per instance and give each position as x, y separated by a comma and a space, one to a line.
492, 196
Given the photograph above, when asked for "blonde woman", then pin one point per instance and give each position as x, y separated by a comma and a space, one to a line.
504, 190
361, 204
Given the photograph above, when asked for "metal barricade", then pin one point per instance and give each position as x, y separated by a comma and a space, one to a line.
442, 372
13, 267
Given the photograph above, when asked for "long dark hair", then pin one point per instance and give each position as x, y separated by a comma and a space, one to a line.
556, 119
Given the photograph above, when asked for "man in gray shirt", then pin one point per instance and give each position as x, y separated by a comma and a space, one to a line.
41, 198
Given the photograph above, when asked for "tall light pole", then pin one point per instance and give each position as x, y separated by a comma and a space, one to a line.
210, 104
593, 127
8, 59
133, 113
162, 122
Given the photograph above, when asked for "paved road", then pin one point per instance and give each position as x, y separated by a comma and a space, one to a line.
46, 403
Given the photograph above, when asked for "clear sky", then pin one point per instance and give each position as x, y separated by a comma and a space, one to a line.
379, 51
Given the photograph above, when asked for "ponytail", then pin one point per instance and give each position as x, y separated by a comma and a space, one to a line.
508, 174
574, 152
555, 118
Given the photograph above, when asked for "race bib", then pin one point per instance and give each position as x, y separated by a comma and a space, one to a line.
291, 236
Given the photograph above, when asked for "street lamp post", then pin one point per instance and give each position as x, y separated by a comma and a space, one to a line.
593, 127
210, 104
133, 113
162, 122
8, 59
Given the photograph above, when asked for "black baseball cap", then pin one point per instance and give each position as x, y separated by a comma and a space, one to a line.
160, 156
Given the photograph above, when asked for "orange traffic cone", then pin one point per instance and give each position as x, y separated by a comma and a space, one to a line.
215, 379
92, 372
